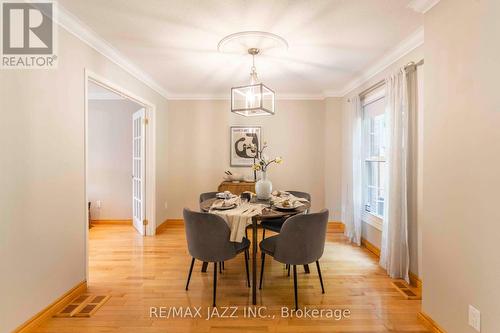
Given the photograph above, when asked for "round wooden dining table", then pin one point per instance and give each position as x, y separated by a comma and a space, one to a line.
269, 213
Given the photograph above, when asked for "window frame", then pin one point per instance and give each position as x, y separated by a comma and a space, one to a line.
376, 95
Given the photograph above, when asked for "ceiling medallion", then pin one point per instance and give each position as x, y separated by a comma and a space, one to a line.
255, 99
240, 42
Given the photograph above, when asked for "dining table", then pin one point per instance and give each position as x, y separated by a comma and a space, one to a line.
270, 212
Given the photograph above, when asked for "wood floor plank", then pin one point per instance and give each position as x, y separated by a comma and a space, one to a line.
139, 273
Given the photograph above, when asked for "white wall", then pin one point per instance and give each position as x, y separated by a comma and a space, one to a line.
198, 150
42, 203
110, 158
369, 232
461, 167
333, 157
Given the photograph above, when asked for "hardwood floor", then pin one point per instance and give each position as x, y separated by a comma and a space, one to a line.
140, 273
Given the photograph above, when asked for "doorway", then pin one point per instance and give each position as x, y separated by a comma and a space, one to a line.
115, 160
119, 157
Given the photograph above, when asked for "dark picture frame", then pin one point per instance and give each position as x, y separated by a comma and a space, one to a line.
240, 139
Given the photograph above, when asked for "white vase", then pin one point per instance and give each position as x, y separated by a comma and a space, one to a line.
263, 187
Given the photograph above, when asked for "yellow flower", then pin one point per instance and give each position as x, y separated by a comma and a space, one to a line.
256, 167
278, 160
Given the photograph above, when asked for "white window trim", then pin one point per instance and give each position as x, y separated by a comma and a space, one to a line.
373, 220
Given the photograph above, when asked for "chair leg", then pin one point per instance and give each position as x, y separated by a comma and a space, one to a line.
263, 233
246, 268
262, 269
295, 286
223, 268
204, 267
215, 282
288, 270
320, 277
189, 275
220, 267
306, 269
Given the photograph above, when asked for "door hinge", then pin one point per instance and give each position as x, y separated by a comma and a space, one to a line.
146, 121
144, 222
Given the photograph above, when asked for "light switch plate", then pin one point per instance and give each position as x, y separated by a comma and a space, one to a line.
474, 318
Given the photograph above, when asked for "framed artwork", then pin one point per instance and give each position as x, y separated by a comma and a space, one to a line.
241, 140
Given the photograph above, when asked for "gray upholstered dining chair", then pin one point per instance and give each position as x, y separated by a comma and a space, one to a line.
275, 224
300, 242
207, 195
208, 241
203, 197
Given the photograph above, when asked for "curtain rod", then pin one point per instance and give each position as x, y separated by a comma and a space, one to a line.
372, 88
380, 83
413, 64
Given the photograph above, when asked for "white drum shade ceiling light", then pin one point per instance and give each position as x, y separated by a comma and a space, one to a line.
254, 99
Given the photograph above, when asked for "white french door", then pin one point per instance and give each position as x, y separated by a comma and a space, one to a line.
139, 170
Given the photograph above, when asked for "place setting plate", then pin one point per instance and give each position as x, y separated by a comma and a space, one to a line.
224, 207
279, 206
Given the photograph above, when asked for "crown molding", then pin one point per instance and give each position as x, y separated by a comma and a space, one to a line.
422, 6
403, 48
335, 93
192, 97
297, 97
188, 97
80, 30
73, 25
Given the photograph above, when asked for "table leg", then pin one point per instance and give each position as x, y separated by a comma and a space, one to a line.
204, 267
254, 260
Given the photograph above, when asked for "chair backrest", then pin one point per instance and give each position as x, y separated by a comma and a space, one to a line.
299, 194
302, 238
208, 236
207, 195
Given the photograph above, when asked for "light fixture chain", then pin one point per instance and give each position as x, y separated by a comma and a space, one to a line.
253, 74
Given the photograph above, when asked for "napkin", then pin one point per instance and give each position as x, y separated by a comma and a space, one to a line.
226, 202
280, 196
225, 195
239, 218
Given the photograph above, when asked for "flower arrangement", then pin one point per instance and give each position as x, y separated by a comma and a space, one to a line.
262, 162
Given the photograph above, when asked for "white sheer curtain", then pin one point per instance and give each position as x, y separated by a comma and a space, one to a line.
395, 255
352, 171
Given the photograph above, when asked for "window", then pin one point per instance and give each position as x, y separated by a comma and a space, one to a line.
374, 151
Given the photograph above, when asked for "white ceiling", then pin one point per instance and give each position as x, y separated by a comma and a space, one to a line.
331, 43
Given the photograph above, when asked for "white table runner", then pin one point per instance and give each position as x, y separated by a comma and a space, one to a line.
240, 217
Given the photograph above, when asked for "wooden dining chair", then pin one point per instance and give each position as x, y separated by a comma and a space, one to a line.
208, 241
300, 242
